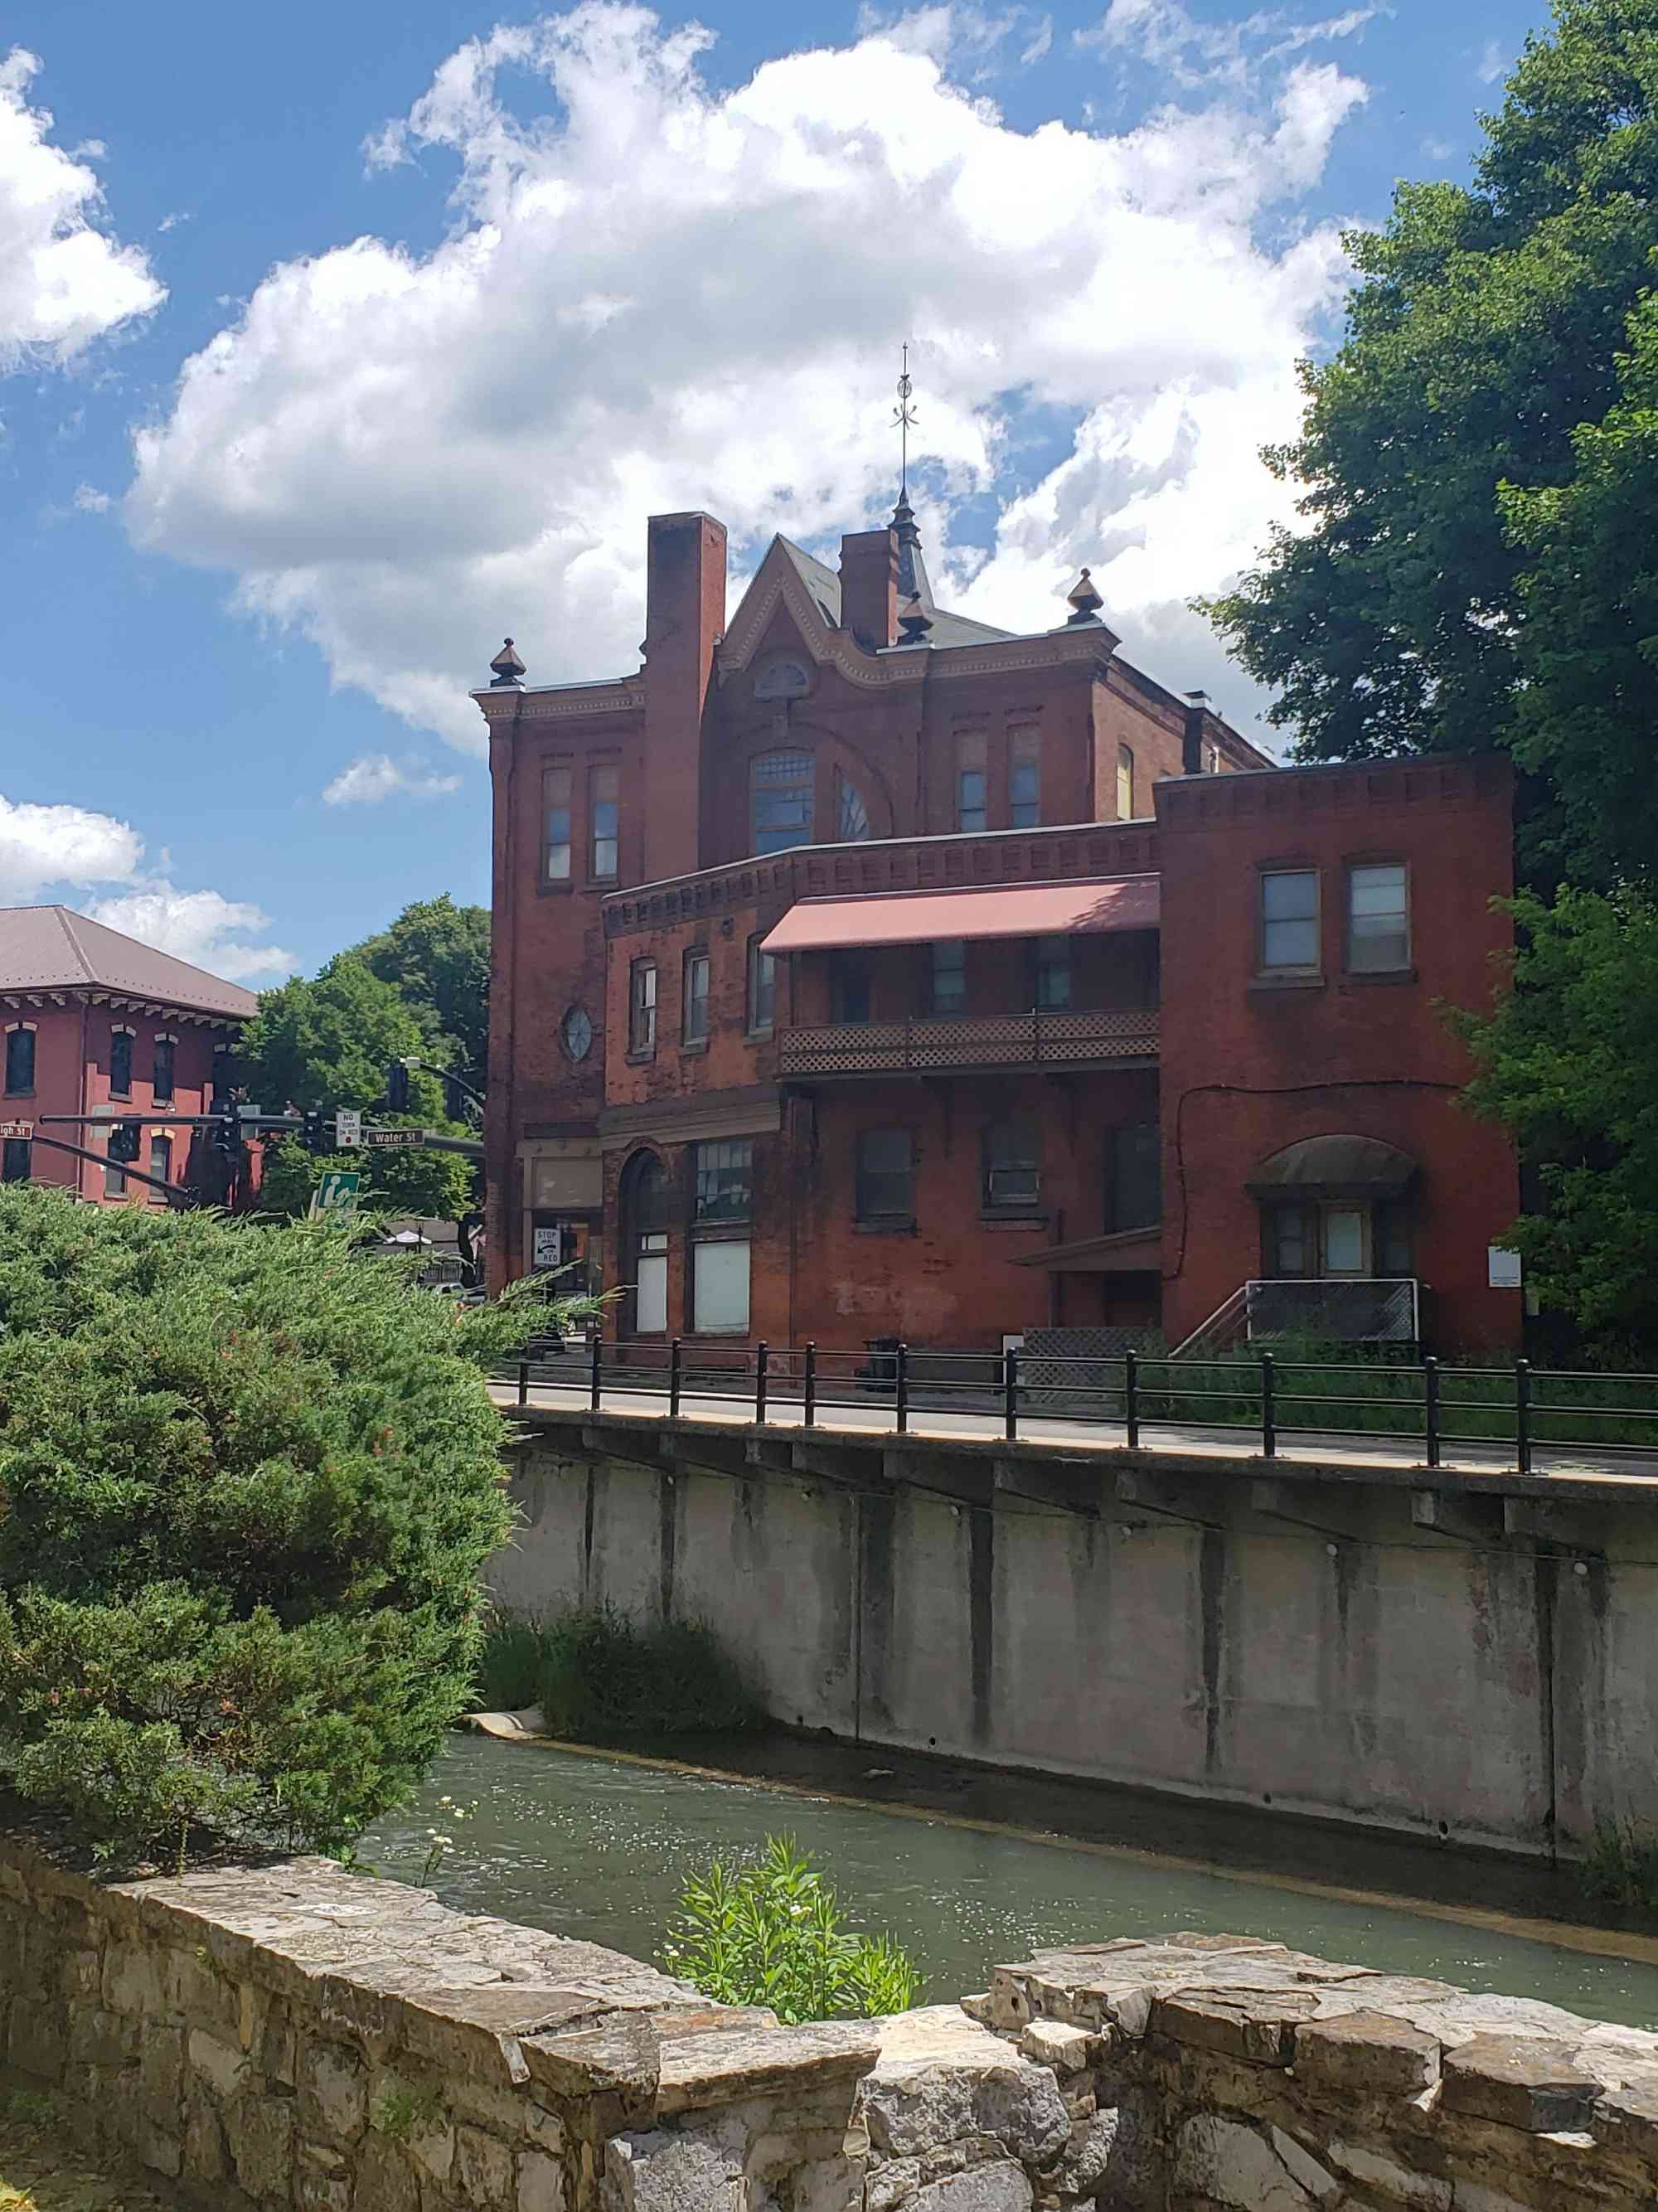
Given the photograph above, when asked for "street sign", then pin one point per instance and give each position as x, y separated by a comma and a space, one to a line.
16, 1128
347, 1128
394, 1136
337, 1191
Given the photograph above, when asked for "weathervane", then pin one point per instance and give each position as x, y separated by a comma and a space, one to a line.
903, 416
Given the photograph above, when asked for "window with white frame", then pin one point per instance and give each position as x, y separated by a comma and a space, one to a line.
763, 986
1378, 918
695, 1004
1289, 920
556, 818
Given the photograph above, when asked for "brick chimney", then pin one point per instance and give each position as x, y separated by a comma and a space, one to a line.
1203, 728
684, 619
869, 587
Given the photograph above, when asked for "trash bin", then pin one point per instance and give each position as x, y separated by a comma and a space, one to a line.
880, 1370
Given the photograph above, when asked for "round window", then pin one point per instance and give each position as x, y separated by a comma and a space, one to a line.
578, 1033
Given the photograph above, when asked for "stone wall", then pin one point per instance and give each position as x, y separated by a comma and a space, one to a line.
294, 2038
301, 2039
1448, 1656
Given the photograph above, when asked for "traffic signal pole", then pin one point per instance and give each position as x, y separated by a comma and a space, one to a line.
179, 1191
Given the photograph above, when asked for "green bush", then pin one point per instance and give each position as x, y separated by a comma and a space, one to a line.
601, 1678
771, 1934
1621, 1868
247, 1480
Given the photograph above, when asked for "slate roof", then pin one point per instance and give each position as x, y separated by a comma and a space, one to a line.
947, 628
50, 948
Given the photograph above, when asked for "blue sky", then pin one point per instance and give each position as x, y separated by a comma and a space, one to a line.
334, 344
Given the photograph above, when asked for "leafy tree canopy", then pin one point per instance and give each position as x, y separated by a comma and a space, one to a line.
1569, 1062
1463, 452
437, 955
328, 1042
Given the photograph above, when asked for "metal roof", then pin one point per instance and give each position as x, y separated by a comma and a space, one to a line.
947, 628
51, 948
1333, 1167
1059, 910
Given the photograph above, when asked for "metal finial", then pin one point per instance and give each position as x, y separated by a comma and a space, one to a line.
508, 667
903, 416
1084, 601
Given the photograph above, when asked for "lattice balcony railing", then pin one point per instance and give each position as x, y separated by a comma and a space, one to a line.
1042, 1039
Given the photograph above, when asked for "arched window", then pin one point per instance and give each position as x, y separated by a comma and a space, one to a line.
781, 801
645, 1210
851, 816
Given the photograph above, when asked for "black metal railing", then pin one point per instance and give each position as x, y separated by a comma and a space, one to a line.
1422, 1406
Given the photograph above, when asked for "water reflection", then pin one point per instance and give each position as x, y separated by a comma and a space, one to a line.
597, 1849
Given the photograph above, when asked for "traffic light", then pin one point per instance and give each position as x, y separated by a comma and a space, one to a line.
228, 1131
454, 1098
125, 1140
396, 1088
313, 1136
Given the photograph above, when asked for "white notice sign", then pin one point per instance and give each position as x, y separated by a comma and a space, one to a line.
1501, 1267
347, 1128
546, 1248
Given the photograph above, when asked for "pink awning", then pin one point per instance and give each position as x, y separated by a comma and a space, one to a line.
825, 925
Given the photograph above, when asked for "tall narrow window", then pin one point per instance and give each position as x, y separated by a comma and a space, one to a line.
1053, 971
555, 815
20, 1059
1125, 784
115, 1181
1012, 1167
645, 1207
886, 1177
851, 816
642, 1006
949, 976
695, 1026
603, 814
224, 1072
17, 1163
1133, 1177
161, 1164
1288, 918
1378, 918
970, 813
1024, 779
161, 1073
724, 1181
1287, 1240
781, 801
763, 986
120, 1063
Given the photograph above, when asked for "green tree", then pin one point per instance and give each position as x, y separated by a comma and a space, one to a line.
1569, 1062
1486, 332
247, 1480
328, 1042
437, 955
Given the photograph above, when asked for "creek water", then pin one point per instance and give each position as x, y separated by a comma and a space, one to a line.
597, 1847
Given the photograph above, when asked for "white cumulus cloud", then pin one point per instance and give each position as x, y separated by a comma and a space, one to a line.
202, 927
67, 850
376, 776
656, 293
64, 281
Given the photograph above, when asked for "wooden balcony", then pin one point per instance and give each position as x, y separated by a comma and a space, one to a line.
1109, 1038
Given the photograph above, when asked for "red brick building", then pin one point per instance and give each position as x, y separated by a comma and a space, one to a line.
863, 971
96, 1024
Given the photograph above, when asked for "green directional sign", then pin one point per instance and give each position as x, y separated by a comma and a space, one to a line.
337, 1192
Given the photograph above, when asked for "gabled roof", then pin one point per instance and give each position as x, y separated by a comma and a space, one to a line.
50, 948
825, 586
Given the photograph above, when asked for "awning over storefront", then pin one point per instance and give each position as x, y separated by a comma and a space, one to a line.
1126, 1252
1334, 1167
1100, 903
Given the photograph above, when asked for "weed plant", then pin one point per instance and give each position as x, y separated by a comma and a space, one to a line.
772, 1933
600, 1677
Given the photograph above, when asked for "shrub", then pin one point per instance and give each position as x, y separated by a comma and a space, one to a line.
603, 1678
1621, 1867
247, 1480
771, 1934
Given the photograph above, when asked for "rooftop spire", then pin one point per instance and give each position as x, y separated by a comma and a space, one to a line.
903, 416
508, 668
1084, 600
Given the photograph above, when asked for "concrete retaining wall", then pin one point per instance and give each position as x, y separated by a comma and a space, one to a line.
1457, 1657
